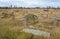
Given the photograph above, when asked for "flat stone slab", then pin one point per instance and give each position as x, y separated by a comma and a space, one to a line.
36, 32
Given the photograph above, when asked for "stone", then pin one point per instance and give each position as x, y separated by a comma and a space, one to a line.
31, 19
37, 32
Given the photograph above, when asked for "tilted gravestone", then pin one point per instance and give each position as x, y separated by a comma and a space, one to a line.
22, 22
37, 32
31, 19
55, 21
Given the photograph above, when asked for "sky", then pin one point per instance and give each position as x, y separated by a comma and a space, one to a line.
30, 3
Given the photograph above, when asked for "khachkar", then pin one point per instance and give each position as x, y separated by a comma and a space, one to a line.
31, 19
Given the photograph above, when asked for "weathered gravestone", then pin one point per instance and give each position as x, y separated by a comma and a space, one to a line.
31, 19
37, 32
55, 21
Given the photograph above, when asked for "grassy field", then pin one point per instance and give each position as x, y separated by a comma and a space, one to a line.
10, 25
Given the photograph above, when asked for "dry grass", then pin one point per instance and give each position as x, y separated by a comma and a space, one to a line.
10, 28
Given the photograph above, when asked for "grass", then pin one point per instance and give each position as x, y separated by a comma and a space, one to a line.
6, 22
55, 35
10, 34
7, 30
10, 29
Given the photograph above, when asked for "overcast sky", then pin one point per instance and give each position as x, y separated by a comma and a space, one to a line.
30, 3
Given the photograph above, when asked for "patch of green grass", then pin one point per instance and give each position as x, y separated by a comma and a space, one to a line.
6, 22
55, 35
10, 34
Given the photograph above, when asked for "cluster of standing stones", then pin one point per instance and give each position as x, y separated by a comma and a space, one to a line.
29, 19
7, 15
32, 19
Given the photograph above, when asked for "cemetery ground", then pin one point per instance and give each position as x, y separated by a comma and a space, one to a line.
14, 21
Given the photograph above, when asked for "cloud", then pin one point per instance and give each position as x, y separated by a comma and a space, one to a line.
30, 3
